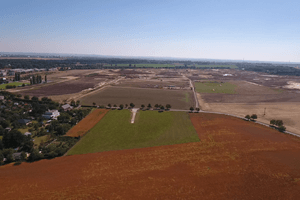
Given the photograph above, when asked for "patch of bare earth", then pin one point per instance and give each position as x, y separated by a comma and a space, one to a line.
289, 112
234, 160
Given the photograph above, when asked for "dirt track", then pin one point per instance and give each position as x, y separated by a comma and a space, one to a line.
234, 160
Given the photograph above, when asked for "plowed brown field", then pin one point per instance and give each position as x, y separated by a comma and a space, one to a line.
87, 123
235, 160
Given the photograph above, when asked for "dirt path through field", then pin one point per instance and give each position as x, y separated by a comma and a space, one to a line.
97, 89
202, 103
133, 111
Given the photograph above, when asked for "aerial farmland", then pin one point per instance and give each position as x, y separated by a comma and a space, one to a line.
150, 100
225, 149
144, 128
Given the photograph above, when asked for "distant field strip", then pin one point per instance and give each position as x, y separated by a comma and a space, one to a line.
3, 86
151, 128
138, 96
172, 65
215, 87
87, 123
215, 66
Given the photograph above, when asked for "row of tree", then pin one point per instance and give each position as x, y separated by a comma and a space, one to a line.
252, 117
17, 77
132, 105
192, 109
36, 79
279, 124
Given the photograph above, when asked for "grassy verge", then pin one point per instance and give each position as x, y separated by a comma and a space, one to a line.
115, 132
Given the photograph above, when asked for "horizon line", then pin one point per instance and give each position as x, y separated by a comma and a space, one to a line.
157, 57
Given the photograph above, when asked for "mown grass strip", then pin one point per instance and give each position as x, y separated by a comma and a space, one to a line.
115, 132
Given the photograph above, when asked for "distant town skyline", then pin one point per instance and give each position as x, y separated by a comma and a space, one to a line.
231, 30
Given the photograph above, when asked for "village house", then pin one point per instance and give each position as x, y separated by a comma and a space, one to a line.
51, 114
17, 156
67, 107
24, 121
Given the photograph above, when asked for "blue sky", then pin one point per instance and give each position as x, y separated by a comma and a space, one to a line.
254, 30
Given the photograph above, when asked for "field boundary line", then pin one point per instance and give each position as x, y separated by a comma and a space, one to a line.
117, 86
258, 122
220, 113
80, 137
108, 84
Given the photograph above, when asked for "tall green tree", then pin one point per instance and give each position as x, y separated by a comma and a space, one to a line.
254, 117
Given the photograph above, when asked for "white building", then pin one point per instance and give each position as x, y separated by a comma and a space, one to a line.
51, 114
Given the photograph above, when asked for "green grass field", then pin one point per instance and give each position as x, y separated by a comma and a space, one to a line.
151, 128
3, 86
214, 66
215, 87
218, 66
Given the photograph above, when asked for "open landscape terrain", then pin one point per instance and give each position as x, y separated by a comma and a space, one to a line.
150, 100
222, 90
236, 158
170, 154
250, 93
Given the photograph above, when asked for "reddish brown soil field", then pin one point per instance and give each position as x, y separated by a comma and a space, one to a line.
235, 160
87, 123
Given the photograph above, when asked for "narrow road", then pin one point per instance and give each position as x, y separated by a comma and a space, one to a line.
195, 95
193, 88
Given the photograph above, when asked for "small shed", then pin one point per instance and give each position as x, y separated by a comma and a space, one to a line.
67, 107
27, 133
